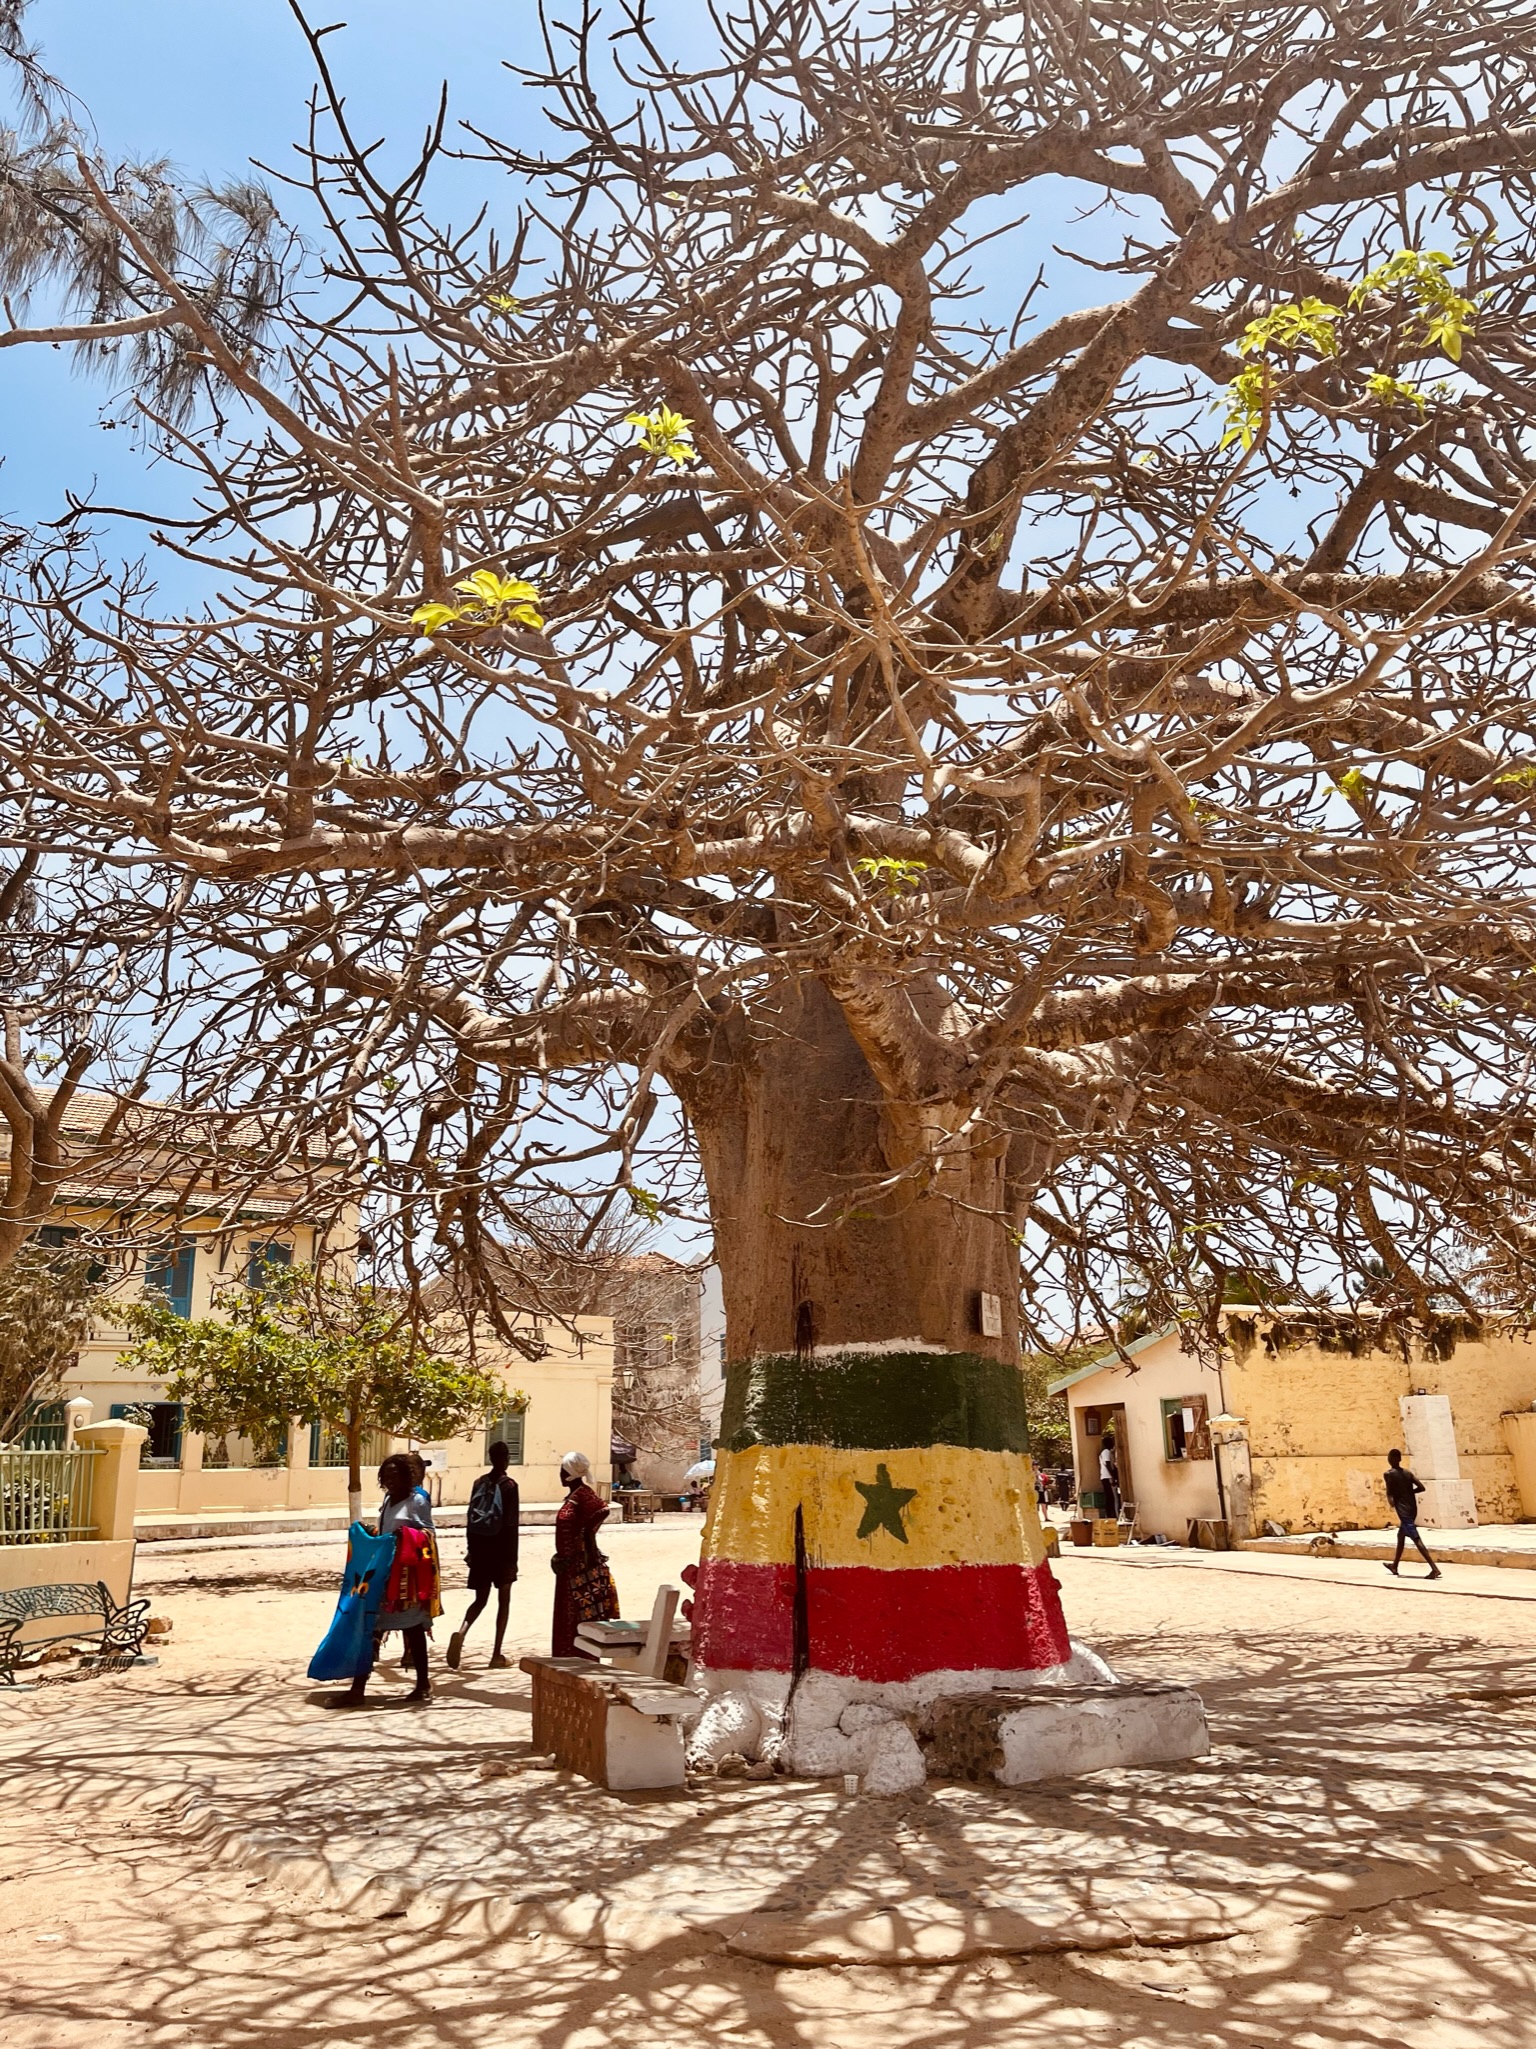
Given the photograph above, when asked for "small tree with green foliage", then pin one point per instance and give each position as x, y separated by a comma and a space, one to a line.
305, 1343
46, 1300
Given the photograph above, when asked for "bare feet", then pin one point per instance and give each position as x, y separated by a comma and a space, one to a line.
455, 1649
1389, 1568
498, 1663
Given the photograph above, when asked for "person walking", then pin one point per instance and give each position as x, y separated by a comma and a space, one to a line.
582, 1515
490, 1530
1403, 1491
411, 1597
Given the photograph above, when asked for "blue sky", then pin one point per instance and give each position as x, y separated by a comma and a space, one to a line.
212, 84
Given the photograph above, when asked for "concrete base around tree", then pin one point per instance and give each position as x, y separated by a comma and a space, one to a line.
1015, 1727
1022, 1738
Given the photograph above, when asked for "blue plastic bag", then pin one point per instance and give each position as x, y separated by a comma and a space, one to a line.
347, 1649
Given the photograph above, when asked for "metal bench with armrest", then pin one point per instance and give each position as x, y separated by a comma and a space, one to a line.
89, 1611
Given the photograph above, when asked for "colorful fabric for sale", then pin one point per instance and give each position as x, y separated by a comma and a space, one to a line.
346, 1651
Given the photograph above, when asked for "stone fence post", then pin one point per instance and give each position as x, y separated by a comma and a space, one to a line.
115, 1486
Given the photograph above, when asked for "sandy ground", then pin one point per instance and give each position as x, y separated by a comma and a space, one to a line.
1363, 1842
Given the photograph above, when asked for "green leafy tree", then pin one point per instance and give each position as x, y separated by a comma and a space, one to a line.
46, 1300
1050, 1429
307, 1343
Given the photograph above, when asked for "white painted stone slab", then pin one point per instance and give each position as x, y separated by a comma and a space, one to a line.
641, 1752
1062, 1735
1430, 1436
1448, 1505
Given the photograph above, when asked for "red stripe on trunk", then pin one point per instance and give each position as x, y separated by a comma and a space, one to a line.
867, 1624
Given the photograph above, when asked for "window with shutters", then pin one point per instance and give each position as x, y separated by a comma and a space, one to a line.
260, 1257
1186, 1428
508, 1430
171, 1274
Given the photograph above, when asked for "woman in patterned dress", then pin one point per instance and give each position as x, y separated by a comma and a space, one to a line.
582, 1515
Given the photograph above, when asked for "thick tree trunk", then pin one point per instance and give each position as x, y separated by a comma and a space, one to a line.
873, 1512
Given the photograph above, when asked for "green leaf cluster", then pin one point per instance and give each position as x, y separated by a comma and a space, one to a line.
1446, 317
1392, 392
891, 873
493, 601
1301, 324
665, 434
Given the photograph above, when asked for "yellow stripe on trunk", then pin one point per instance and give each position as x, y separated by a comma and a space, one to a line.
952, 1506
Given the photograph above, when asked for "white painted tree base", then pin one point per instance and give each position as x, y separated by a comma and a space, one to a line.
1077, 1718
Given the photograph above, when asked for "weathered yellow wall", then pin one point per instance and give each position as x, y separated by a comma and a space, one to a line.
1320, 1424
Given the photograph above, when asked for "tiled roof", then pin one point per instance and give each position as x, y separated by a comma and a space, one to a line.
163, 1156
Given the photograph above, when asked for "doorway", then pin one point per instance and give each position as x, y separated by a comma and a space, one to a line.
1101, 1425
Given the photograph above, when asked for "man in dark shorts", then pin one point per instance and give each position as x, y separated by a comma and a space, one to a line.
490, 1525
1403, 1491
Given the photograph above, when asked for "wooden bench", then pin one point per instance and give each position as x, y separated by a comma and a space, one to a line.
613, 1716
618, 1729
90, 1611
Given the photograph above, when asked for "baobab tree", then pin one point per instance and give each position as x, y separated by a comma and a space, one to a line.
949, 599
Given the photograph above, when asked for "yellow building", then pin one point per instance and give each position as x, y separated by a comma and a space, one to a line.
165, 1224
1291, 1419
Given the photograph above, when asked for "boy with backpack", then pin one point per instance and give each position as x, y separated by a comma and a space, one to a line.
490, 1526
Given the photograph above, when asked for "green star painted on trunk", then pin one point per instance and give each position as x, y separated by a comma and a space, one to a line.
883, 1504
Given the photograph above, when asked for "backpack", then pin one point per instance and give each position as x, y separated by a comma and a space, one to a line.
483, 1518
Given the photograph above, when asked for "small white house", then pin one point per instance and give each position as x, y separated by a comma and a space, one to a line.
1156, 1415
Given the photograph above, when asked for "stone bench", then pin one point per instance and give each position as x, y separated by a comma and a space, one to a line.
1057, 1732
619, 1729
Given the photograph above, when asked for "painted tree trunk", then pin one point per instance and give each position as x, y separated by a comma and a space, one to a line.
354, 1435
873, 1511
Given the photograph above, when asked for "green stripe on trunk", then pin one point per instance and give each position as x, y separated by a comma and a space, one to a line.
860, 1402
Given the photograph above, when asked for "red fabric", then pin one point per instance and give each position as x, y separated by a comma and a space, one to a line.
869, 1624
413, 1577
582, 1515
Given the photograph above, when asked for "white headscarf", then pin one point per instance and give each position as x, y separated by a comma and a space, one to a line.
575, 1462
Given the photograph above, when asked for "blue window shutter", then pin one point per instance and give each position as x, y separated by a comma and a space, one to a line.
263, 1256
171, 1273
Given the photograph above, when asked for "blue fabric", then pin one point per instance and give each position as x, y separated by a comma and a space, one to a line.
347, 1649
